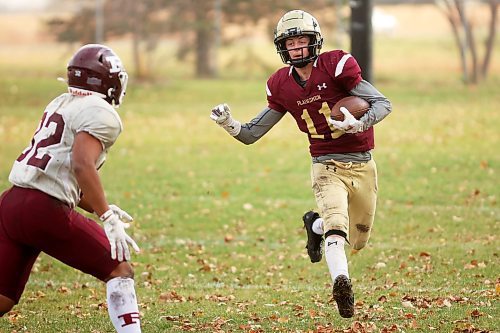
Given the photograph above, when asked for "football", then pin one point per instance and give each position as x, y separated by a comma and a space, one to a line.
356, 106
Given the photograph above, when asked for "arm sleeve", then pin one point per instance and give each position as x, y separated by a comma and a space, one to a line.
258, 126
380, 106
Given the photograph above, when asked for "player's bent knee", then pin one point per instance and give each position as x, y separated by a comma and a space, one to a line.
6, 304
358, 245
124, 269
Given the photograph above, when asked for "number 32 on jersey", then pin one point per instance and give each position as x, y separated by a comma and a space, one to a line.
49, 133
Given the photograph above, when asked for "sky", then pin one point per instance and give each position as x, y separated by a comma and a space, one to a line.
22, 5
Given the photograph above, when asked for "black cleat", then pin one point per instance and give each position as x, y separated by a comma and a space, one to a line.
343, 295
314, 241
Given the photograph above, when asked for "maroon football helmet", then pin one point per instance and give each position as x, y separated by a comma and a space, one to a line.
96, 68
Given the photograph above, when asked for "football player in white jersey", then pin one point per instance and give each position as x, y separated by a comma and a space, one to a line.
57, 172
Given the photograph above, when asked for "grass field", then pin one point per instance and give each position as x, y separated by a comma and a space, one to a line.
219, 223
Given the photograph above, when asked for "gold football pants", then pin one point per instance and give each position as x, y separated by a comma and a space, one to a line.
346, 195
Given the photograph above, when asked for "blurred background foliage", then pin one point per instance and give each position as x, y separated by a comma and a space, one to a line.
202, 27
211, 36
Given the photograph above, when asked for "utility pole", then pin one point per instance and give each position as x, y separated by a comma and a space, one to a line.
361, 35
218, 32
99, 21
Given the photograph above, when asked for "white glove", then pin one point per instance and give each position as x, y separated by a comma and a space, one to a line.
221, 114
123, 215
349, 124
114, 228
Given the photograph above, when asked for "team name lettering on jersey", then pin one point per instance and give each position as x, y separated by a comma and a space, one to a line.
309, 100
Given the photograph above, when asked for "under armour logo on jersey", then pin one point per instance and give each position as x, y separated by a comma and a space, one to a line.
331, 243
128, 318
322, 86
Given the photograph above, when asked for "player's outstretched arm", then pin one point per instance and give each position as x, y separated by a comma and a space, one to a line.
250, 132
86, 151
221, 114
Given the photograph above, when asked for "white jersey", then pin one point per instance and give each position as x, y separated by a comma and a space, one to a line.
46, 164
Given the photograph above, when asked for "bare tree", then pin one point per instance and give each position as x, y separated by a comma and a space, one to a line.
199, 25
490, 41
473, 68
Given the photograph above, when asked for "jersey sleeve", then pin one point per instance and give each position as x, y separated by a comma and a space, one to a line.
101, 122
272, 87
344, 68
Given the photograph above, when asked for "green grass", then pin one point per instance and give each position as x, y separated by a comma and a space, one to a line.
219, 223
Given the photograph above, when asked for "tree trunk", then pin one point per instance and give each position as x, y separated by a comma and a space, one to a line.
470, 42
491, 38
205, 40
136, 30
462, 48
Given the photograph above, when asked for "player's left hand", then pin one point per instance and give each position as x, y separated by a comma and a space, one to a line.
349, 124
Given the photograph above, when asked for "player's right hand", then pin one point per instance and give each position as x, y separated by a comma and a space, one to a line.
118, 239
123, 215
221, 114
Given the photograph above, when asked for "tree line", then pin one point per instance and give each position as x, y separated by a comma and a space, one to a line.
199, 25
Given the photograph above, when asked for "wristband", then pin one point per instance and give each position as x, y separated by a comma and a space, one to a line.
233, 127
106, 215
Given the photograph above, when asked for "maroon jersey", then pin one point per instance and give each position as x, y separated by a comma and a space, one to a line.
334, 74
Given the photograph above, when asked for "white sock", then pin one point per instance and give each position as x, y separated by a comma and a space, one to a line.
335, 256
122, 305
317, 226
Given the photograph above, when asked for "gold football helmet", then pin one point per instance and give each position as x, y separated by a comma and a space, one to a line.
297, 23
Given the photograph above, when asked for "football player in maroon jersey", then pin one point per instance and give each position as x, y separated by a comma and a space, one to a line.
343, 173
56, 173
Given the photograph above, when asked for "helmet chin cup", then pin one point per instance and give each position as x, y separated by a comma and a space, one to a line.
300, 64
